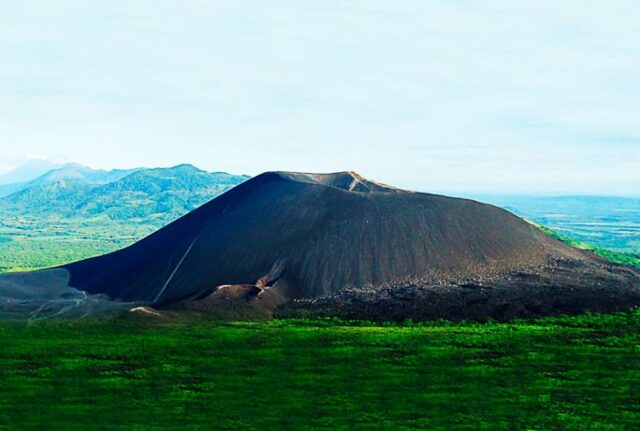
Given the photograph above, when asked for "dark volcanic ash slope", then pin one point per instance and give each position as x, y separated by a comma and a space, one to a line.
310, 235
323, 233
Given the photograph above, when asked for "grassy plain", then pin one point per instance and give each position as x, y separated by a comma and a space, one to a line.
608, 222
574, 373
28, 243
623, 258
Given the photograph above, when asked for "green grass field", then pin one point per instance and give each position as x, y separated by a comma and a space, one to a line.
573, 373
578, 373
32, 243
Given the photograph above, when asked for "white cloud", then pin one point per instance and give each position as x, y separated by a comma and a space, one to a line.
487, 95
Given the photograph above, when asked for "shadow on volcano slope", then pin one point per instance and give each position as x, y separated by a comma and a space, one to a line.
307, 236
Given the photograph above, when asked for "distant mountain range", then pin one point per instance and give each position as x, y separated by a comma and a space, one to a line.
74, 190
28, 171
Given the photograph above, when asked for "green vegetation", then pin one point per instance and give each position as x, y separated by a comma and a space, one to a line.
144, 193
56, 221
573, 373
630, 259
28, 243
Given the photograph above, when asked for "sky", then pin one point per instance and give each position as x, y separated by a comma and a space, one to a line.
491, 96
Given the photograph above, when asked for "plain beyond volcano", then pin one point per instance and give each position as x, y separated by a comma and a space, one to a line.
301, 244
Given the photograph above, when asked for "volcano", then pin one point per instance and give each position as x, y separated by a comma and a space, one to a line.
318, 238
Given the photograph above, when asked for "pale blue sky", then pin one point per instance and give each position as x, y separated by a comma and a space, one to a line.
479, 96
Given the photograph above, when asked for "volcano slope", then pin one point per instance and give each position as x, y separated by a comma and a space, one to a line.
338, 244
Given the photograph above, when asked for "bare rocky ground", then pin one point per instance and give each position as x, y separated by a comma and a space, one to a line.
563, 287
232, 302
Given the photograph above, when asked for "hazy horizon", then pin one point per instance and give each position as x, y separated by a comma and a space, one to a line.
450, 97
469, 193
